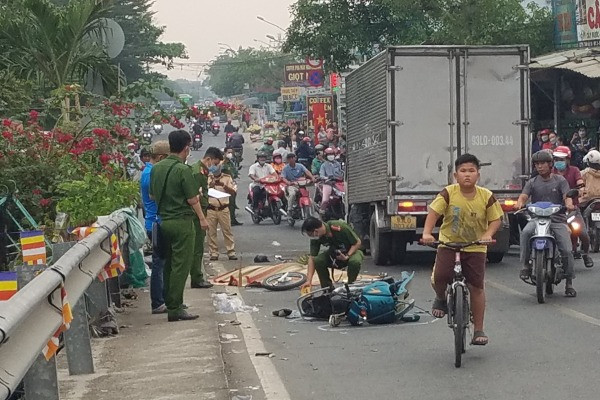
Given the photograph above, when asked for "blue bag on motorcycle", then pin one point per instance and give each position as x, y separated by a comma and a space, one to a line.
377, 304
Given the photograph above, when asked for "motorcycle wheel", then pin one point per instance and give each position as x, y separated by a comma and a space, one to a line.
255, 218
540, 276
275, 214
294, 280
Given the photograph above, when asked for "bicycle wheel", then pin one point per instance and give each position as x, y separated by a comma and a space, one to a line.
284, 281
540, 276
459, 324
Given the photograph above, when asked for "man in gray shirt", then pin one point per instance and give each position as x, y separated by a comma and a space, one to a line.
550, 188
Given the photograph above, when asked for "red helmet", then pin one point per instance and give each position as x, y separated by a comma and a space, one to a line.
562, 152
306, 139
329, 150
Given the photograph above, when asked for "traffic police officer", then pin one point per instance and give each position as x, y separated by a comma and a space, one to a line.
212, 157
175, 191
343, 250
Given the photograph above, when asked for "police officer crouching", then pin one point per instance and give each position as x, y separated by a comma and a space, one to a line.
343, 250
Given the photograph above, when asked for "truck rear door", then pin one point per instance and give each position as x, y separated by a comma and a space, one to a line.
493, 111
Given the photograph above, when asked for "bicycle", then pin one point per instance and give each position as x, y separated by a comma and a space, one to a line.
457, 298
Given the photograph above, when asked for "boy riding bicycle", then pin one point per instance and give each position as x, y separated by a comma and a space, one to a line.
470, 213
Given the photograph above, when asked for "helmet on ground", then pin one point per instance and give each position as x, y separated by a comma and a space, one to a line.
329, 150
562, 152
541, 157
593, 157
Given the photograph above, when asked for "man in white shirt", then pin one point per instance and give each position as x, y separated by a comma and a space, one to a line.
259, 170
281, 150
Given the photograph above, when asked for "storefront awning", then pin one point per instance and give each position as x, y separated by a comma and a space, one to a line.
585, 61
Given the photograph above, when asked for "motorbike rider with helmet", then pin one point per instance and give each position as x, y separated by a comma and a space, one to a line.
318, 160
268, 148
229, 128
553, 188
581, 144
277, 163
305, 152
563, 167
330, 170
281, 149
291, 173
256, 172
591, 180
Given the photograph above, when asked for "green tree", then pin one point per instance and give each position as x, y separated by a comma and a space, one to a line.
142, 45
52, 44
339, 31
259, 68
16, 95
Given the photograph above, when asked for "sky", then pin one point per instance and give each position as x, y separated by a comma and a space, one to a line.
202, 24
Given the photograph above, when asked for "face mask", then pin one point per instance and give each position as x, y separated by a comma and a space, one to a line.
560, 165
132, 151
582, 134
261, 162
214, 169
544, 138
331, 157
229, 155
277, 160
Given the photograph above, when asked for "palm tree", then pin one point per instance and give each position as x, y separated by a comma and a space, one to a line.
53, 44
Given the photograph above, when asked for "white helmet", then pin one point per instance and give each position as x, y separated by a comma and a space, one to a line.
593, 157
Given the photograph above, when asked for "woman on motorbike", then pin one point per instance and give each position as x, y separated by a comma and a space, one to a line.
562, 161
331, 170
277, 163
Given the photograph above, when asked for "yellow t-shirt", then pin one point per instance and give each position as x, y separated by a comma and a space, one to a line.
466, 220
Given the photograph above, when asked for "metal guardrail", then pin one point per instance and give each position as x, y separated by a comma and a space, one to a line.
30, 318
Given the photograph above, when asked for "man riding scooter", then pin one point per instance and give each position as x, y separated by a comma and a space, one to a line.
589, 201
258, 170
552, 188
291, 173
330, 170
563, 167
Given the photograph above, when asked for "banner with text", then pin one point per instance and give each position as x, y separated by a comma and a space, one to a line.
304, 75
290, 93
320, 112
576, 23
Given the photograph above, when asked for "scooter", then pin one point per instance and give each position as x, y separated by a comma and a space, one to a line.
545, 256
335, 206
273, 207
302, 208
147, 137
591, 214
158, 129
197, 142
215, 128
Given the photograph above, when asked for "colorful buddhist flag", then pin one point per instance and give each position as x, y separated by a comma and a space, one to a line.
33, 247
8, 285
116, 265
67, 317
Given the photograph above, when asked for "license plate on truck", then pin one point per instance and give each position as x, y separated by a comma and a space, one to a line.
403, 222
595, 216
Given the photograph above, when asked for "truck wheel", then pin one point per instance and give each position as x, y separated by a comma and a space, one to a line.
495, 258
380, 243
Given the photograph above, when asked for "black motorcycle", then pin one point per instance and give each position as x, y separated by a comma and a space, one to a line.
197, 141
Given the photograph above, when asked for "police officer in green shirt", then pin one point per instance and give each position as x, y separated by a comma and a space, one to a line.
343, 250
173, 187
200, 169
230, 169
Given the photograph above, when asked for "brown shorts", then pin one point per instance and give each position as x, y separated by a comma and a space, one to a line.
473, 267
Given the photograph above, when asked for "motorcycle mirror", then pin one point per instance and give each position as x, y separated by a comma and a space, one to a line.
573, 193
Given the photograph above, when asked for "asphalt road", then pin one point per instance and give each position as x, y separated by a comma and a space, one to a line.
549, 351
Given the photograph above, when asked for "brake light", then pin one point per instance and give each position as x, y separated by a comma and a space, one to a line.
411, 206
508, 204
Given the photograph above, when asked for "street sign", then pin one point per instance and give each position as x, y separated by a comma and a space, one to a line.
290, 93
316, 78
317, 91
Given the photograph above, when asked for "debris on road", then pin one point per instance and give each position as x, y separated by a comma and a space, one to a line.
229, 338
264, 354
261, 258
226, 304
276, 243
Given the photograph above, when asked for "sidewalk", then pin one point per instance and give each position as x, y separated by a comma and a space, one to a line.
152, 359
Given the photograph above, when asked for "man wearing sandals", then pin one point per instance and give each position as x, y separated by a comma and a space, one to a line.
470, 213
547, 186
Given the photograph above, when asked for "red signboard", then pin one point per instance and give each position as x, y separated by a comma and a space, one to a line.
320, 112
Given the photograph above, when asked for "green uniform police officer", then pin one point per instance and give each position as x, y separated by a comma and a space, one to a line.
213, 156
173, 187
343, 250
